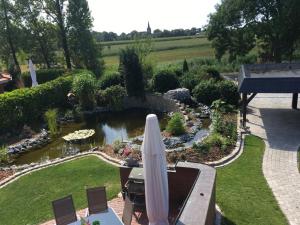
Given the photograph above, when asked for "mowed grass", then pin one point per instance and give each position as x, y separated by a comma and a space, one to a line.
243, 193
28, 199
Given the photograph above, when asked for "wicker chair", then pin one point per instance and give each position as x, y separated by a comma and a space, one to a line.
127, 212
64, 211
97, 201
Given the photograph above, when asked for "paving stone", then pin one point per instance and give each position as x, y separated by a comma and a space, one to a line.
270, 117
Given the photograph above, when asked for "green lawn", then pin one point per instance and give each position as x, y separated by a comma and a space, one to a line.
28, 200
242, 191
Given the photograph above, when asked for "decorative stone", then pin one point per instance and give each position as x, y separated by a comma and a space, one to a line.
180, 94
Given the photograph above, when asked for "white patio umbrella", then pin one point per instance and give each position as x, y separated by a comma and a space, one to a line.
32, 73
155, 173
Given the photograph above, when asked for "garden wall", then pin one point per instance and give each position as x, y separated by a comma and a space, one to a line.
154, 102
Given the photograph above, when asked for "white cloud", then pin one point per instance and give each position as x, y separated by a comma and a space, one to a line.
124, 16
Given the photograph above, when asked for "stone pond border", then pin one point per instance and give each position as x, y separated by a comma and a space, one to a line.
116, 162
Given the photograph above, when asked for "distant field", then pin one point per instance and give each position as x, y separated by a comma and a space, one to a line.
165, 50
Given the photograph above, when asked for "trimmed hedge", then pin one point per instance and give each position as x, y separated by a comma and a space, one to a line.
208, 91
42, 76
26, 105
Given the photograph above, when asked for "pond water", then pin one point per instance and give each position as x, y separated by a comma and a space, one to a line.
108, 126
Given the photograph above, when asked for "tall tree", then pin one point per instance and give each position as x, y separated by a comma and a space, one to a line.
84, 50
40, 32
238, 24
55, 10
6, 16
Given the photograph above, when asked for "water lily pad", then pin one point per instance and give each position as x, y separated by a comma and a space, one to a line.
79, 135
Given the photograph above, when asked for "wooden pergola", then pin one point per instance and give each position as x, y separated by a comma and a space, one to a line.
268, 78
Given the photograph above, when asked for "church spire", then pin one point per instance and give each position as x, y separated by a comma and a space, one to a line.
149, 29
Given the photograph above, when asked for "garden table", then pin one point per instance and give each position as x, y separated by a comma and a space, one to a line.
108, 217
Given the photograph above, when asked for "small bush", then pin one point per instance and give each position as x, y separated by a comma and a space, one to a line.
110, 79
175, 125
4, 158
228, 92
84, 87
42, 76
208, 91
111, 97
51, 118
217, 140
222, 107
165, 81
190, 81
224, 125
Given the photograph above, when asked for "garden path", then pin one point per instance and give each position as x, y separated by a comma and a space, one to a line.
270, 117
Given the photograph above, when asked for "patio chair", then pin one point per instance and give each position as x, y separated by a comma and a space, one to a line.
64, 211
127, 212
97, 201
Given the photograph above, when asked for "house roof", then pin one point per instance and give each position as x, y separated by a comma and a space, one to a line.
5, 78
270, 78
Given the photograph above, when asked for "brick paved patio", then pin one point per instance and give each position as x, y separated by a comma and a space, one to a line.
117, 204
271, 118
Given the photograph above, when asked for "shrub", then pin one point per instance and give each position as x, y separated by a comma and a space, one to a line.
164, 81
228, 92
4, 158
42, 76
222, 107
185, 66
175, 125
208, 91
29, 104
190, 81
111, 97
132, 71
225, 125
110, 79
216, 140
213, 73
84, 87
51, 118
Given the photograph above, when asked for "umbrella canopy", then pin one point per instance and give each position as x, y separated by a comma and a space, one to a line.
32, 73
155, 173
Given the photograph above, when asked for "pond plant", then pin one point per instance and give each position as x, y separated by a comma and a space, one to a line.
51, 119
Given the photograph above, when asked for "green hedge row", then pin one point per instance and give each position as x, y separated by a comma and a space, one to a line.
26, 105
43, 76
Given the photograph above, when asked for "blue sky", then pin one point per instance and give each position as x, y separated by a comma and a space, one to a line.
124, 16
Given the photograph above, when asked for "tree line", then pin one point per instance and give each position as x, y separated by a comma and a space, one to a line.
271, 27
50, 32
157, 33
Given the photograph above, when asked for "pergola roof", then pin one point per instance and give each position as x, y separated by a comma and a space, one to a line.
270, 78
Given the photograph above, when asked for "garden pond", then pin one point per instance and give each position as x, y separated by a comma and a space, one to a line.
108, 127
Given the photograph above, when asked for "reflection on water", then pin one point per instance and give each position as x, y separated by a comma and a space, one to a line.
108, 126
